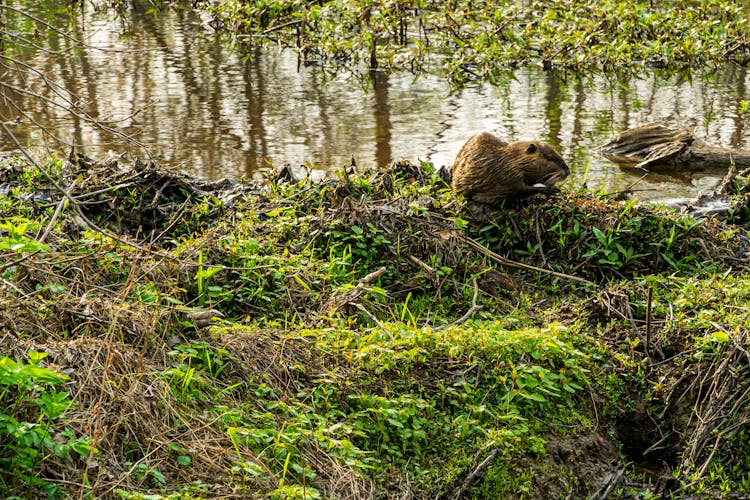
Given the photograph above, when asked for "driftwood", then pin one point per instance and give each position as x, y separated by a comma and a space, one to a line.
653, 145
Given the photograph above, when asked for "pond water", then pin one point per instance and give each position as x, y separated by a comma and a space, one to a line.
199, 106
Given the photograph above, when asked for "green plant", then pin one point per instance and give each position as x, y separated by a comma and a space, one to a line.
151, 476
612, 252
489, 39
364, 244
16, 238
208, 294
196, 489
203, 356
197, 363
378, 391
32, 428
504, 479
183, 456
396, 425
294, 492
707, 346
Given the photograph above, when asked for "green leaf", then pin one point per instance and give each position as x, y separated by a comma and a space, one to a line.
460, 223
395, 423
599, 235
43, 375
207, 272
36, 356
534, 396
82, 447
718, 336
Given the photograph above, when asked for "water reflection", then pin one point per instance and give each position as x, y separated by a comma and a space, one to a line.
168, 83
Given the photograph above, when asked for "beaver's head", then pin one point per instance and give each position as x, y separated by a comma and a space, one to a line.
540, 163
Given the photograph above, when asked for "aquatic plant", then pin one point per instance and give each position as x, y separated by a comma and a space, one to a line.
468, 41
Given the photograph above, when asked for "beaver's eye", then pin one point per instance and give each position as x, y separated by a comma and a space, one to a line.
531, 149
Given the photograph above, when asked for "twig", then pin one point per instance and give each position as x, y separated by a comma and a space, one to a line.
375, 274
475, 473
12, 263
647, 347
719, 410
609, 485
58, 209
282, 26
474, 308
629, 188
175, 220
593, 405
337, 301
657, 445
519, 265
728, 178
20, 292
124, 184
422, 264
538, 229
373, 318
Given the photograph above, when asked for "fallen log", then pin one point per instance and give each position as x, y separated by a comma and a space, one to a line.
652, 145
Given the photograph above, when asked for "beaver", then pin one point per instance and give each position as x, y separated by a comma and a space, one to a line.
488, 170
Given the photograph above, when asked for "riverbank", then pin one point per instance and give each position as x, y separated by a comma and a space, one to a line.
369, 336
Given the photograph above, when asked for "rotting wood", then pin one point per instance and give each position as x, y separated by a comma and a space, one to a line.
652, 145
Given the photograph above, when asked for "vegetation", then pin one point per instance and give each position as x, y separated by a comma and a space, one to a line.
366, 337
470, 40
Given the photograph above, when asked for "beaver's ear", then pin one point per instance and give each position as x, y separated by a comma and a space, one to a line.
531, 149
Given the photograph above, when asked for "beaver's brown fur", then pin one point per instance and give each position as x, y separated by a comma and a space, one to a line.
488, 170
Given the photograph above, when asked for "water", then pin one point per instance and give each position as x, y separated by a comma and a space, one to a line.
203, 108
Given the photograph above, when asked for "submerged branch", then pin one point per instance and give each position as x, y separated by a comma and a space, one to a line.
653, 145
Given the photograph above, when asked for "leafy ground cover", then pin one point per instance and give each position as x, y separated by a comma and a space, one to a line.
369, 336
470, 40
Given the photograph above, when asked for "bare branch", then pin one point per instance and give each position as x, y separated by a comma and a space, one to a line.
519, 265
474, 308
